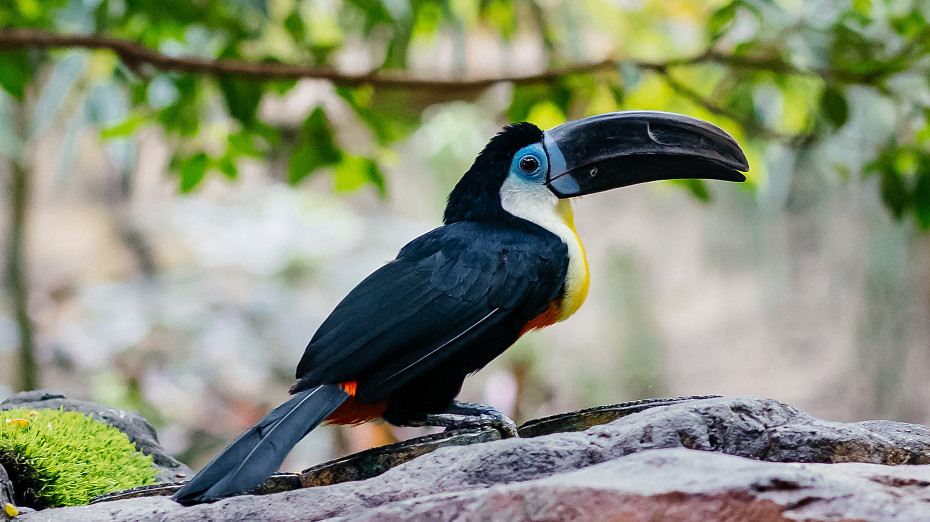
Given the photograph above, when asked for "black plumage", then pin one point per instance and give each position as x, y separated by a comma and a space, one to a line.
454, 299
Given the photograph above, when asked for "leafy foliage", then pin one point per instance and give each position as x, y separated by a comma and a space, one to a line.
59, 458
904, 180
791, 73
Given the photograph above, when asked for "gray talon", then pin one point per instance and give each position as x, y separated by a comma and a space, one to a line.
468, 415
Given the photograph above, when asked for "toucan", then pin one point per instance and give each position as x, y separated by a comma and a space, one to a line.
506, 260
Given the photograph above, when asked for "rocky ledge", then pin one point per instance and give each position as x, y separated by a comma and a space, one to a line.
704, 459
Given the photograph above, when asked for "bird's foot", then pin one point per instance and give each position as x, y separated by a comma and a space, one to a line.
469, 415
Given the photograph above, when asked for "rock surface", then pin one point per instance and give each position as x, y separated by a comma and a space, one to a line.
606, 473
135, 426
681, 484
6, 488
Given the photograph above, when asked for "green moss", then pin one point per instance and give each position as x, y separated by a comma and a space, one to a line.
59, 458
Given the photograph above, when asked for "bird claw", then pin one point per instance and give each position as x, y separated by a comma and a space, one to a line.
468, 415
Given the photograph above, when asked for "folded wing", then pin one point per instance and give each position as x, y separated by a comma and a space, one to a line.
445, 293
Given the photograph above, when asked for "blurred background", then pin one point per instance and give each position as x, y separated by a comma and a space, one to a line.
189, 188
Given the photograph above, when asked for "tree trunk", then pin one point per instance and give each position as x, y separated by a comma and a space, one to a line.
16, 273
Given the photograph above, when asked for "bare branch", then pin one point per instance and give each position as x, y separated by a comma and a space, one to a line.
135, 56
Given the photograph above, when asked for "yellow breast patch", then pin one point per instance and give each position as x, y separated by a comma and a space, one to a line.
577, 278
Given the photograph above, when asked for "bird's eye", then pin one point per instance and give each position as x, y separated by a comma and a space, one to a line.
529, 164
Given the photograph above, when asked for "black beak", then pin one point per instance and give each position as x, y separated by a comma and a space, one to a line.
624, 148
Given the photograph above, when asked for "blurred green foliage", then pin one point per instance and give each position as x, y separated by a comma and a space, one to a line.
771, 71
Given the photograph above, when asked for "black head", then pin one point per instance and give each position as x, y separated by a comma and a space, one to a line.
476, 196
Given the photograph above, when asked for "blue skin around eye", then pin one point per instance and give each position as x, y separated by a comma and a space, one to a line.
537, 151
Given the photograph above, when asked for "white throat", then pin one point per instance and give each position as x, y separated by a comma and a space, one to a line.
535, 203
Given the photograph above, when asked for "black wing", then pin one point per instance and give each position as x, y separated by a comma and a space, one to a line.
445, 292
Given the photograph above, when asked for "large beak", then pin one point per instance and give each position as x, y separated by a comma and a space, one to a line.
624, 148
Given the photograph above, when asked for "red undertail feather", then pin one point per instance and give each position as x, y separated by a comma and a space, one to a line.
353, 411
549, 317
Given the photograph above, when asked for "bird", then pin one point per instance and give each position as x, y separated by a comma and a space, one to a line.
506, 260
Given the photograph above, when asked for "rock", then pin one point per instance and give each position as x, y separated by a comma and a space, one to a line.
373, 462
682, 485
6, 488
583, 419
606, 471
276, 483
135, 426
136, 509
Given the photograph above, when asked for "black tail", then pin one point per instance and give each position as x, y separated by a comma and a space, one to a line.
259, 452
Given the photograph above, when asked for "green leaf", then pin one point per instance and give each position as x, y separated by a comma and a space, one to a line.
697, 188
528, 98
427, 18
721, 20
243, 143
375, 12
242, 97
317, 147
834, 107
382, 125
101, 15
227, 166
294, 24
355, 172
281, 86
499, 14
619, 94
193, 170
15, 72
524, 98
183, 115
396, 55
863, 7
921, 200
546, 115
29, 9
303, 162
909, 25
376, 177
124, 128
894, 193
270, 135
921, 194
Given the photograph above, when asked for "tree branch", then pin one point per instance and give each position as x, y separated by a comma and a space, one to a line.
17, 277
17, 266
136, 55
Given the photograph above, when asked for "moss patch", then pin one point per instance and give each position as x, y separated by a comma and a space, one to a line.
59, 458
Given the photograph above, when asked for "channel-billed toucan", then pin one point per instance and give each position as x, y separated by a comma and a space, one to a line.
506, 260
